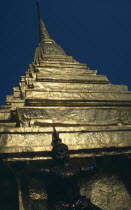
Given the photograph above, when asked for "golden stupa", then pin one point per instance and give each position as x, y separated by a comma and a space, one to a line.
92, 116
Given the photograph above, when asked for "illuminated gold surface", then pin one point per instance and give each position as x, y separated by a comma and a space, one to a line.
66, 71
77, 96
37, 140
31, 116
73, 87
72, 77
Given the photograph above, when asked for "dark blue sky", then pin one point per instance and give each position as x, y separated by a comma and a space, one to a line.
94, 32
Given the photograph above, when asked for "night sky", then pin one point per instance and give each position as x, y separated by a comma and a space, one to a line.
95, 32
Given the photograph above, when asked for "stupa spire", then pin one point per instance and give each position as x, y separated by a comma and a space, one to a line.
44, 35
47, 46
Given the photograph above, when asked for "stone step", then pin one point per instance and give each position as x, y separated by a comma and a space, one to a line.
74, 87
20, 142
92, 116
58, 59
76, 103
80, 96
56, 56
62, 64
5, 115
14, 105
17, 94
14, 102
6, 107
66, 71
8, 125
73, 78
11, 98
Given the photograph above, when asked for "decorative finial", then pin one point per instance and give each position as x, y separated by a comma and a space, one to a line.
38, 9
55, 138
44, 35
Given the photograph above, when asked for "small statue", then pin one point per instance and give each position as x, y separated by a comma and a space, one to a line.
62, 188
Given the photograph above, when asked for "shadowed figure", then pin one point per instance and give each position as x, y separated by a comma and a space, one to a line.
62, 180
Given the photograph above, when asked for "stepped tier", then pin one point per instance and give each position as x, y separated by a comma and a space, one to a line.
82, 141
72, 87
